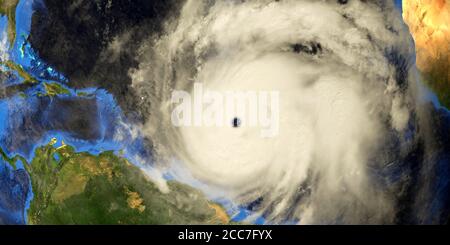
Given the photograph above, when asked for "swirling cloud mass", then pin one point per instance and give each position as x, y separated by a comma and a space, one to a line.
347, 98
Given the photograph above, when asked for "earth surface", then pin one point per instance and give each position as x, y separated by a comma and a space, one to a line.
59, 169
68, 155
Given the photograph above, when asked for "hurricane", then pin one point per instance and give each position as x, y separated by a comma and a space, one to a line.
348, 93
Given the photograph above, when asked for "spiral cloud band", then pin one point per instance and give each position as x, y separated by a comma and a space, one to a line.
342, 72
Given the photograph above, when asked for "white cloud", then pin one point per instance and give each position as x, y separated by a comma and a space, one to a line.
4, 46
333, 103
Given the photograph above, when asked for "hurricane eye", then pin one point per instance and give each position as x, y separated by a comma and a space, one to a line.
311, 48
236, 122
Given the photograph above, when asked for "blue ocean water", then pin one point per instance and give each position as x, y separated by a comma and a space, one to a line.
28, 121
398, 3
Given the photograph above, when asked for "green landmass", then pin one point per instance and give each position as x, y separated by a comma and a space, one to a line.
53, 89
23, 95
8, 8
28, 78
80, 188
82, 94
11, 161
